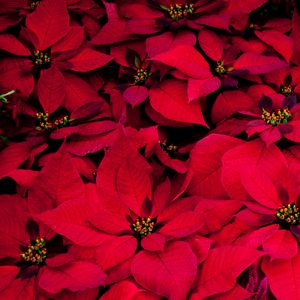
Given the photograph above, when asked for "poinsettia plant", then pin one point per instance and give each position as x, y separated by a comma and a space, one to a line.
149, 149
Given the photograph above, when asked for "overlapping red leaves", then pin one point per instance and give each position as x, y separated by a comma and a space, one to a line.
149, 150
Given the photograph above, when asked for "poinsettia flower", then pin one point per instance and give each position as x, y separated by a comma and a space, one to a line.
143, 229
287, 80
278, 117
156, 143
36, 259
149, 17
48, 54
276, 204
135, 73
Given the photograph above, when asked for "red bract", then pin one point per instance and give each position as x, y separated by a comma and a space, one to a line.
133, 220
153, 140
35, 260
48, 55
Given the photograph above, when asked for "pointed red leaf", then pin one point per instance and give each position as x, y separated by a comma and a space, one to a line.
8, 274
49, 22
75, 276
186, 59
51, 89
281, 244
88, 59
220, 271
13, 156
12, 45
79, 92
153, 242
133, 185
228, 103
295, 35
181, 225
102, 221
170, 99
280, 42
199, 88
16, 75
245, 7
135, 95
56, 183
72, 40
210, 210
258, 64
283, 273
116, 251
69, 220
115, 30
170, 273
260, 187
161, 43
211, 44
207, 172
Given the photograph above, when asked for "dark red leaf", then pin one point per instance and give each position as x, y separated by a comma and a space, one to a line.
49, 22
51, 89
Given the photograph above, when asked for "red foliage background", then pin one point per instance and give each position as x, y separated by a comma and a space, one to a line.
149, 149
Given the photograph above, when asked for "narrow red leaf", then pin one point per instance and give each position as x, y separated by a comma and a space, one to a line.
88, 59
211, 44
51, 89
12, 45
280, 42
13, 156
72, 40
133, 185
256, 63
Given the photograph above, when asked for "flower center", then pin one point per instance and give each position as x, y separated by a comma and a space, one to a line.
36, 252
168, 148
143, 226
220, 67
141, 76
34, 4
289, 214
179, 11
41, 58
43, 122
276, 117
287, 90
